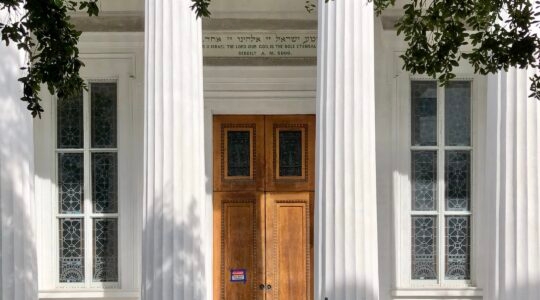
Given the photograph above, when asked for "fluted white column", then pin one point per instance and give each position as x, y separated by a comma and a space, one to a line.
346, 214
513, 187
18, 270
173, 243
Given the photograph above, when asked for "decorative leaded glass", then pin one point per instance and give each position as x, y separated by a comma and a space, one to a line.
104, 182
457, 248
290, 153
424, 248
70, 182
458, 177
238, 153
424, 177
457, 113
70, 122
103, 108
424, 113
71, 250
105, 250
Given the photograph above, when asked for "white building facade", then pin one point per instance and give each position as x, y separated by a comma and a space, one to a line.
266, 153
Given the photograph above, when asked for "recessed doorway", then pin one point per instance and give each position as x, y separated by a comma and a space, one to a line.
263, 206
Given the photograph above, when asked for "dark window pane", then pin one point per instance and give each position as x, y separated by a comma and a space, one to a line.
424, 113
104, 182
424, 248
105, 250
70, 122
458, 178
238, 153
424, 176
290, 153
103, 108
70, 182
71, 250
458, 248
457, 113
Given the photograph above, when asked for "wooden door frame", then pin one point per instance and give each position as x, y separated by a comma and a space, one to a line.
272, 90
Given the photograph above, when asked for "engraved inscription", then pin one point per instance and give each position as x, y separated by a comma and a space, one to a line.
260, 44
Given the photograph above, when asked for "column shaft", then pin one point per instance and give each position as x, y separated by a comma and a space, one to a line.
346, 256
18, 262
513, 183
173, 245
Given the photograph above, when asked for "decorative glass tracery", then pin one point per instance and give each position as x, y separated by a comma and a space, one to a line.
70, 182
70, 122
238, 153
71, 250
458, 113
444, 205
104, 182
105, 250
103, 108
94, 163
424, 113
290, 153
424, 176
457, 248
424, 254
458, 173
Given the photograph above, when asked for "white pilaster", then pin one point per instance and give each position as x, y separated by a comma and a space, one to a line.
18, 271
513, 187
173, 243
346, 259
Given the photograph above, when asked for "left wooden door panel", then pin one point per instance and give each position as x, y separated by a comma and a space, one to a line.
238, 153
238, 244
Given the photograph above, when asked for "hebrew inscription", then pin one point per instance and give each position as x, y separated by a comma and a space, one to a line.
260, 44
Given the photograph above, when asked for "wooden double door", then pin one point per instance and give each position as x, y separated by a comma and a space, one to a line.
263, 207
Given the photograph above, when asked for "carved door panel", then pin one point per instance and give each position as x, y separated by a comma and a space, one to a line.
239, 235
238, 153
290, 153
263, 207
289, 246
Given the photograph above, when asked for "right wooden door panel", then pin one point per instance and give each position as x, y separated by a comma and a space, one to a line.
289, 246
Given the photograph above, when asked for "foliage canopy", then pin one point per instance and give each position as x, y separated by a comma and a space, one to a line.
42, 28
500, 33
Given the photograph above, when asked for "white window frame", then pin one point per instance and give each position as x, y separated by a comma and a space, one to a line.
402, 190
441, 213
103, 66
88, 215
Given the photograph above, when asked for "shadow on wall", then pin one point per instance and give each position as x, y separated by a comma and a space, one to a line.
18, 277
350, 290
173, 259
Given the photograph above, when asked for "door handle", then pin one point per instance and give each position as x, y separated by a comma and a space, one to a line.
268, 286
262, 286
